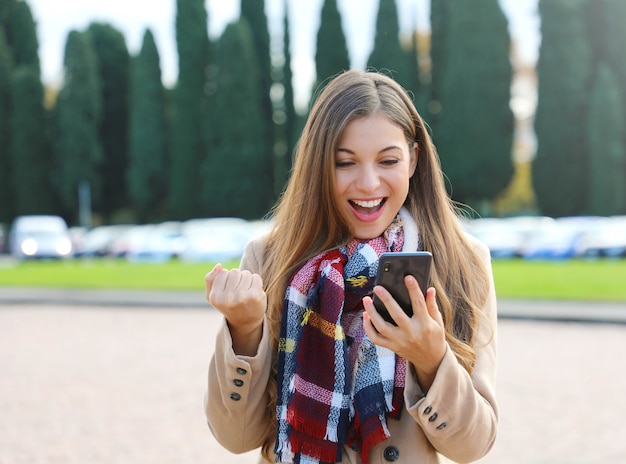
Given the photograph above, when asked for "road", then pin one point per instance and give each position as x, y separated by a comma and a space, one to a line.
88, 384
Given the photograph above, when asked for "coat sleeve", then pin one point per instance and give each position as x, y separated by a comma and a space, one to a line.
236, 401
459, 414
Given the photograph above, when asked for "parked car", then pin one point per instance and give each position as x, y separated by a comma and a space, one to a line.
559, 239
215, 239
157, 243
98, 241
607, 238
40, 236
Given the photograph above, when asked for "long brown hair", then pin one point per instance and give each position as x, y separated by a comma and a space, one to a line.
309, 221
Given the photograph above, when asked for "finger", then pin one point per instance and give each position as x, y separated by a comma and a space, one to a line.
369, 325
394, 310
417, 298
431, 305
209, 279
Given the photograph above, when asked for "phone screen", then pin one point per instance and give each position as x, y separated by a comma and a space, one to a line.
392, 268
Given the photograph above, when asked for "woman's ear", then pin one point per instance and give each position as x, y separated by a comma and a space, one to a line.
414, 154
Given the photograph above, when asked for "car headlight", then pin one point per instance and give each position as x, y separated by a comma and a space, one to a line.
29, 247
64, 247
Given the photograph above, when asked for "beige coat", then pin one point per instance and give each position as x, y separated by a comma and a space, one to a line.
457, 418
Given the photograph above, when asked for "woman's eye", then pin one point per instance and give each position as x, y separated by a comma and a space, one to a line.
390, 162
343, 164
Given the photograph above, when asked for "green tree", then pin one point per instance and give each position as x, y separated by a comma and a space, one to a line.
606, 146
440, 11
476, 122
30, 160
113, 65
559, 170
608, 35
22, 34
147, 169
78, 115
6, 71
331, 55
253, 11
235, 181
388, 54
190, 109
290, 126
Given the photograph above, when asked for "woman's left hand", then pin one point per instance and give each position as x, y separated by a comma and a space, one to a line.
420, 339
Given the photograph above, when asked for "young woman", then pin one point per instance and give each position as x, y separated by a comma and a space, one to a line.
304, 366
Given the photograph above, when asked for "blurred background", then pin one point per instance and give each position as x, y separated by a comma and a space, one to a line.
167, 111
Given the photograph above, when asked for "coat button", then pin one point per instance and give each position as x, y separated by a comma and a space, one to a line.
235, 396
391, 454
241, 371
238, 382
432, 418
441, 426
428, 409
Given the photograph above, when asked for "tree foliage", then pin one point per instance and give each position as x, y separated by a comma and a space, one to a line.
30, 160
78, 115
190, 109
331, 54
147, 164
606, 146
388, 55
235, 181
6, 70
113, 66
21, 34
253, 11
476, 122
561, 163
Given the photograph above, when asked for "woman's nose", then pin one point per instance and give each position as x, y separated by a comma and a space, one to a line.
368, 179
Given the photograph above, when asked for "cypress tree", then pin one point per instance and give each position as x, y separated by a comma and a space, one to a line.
331, 55
78, 113
29, 157
559, 170
290, 127
606, 146
253, 11
440, 11
6, 70
113, 65
235, 183
190, 109
476, 122
388, 54
22, 35
608, 36
147, 171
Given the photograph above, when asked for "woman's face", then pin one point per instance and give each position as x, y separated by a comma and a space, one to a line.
373, 165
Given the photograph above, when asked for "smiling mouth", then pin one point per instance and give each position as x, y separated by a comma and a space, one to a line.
367, 206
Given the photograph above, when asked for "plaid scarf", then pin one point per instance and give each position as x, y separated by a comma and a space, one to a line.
335, 386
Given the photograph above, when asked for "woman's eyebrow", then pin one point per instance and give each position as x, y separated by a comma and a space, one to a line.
390, 147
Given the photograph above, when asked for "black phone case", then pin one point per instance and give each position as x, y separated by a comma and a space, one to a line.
392, 268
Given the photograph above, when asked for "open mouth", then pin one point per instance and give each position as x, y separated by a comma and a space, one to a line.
367, 206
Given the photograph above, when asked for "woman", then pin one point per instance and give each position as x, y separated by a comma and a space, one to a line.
304, 366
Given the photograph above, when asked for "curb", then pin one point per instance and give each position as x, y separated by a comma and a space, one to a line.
573, 311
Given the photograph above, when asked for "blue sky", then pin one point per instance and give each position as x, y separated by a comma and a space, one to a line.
56, 18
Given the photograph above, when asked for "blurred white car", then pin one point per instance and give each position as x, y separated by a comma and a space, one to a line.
98, 241
215, 239
40, 236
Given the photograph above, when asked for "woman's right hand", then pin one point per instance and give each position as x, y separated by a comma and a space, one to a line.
239, 296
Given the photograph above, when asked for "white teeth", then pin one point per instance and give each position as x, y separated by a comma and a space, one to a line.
368, 204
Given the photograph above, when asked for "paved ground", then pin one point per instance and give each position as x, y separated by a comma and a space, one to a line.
85, 384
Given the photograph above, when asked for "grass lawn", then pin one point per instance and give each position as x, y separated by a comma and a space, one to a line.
598, 280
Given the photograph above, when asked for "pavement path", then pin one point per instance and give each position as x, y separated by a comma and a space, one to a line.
96, 383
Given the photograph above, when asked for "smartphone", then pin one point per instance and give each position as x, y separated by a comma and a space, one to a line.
392, 269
